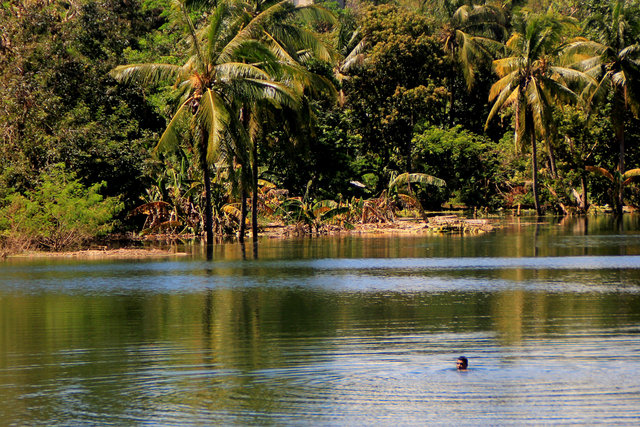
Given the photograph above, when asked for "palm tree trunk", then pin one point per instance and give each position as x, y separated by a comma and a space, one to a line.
408, 148
254, 199
244, 119
618, 124
585, 202
552, 160
621, 188
534, 162
243, 214
452, 89
208, 211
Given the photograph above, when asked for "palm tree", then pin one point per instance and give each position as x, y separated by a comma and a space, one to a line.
471, 38
614, 59
227, 67
281, 26
351, 44
531, 82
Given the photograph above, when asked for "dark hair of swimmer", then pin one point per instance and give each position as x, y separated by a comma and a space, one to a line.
462, 363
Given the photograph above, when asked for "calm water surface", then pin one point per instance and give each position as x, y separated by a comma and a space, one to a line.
333, 331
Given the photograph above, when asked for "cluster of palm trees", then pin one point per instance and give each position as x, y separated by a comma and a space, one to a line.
246, 64
541, 66
246, 74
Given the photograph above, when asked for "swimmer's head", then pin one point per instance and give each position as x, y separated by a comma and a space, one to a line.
462, 363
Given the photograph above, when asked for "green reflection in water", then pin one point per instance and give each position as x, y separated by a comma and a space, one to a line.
233, 342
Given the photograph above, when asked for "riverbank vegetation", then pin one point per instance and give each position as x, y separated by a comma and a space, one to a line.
207, 118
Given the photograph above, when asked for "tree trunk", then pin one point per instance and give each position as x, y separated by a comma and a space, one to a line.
244, 119
534, 162
552, 160
452, 92
208, 211
254, 199
408, 148
243, 214
619, 109
585, 202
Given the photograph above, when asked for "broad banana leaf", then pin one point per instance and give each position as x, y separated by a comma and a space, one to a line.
232, 210
332, 213
600, 171
420, 178
630, 176
150, 208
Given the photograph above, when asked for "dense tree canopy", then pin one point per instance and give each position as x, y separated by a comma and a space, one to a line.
59, 103
416, 90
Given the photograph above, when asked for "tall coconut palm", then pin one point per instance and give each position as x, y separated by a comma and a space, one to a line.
471, 38
531, 82
282, 26
226, 67
613, 57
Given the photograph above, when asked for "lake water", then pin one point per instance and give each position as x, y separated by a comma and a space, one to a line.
333, 331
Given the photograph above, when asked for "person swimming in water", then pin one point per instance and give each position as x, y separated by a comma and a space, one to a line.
462, 363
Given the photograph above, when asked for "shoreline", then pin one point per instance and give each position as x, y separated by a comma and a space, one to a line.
446, 222
272, 231
120, 253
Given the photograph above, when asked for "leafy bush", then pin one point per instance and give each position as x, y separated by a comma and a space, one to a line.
59, 214
466, 161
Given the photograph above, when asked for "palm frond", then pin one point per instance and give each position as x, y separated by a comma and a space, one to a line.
355, 58
508, 93
506, 66
296, 39
213, 116
213, 32
599, 93
276, 93
146, 74
560, 91
311, 13
170, 137
182, 13
230, 71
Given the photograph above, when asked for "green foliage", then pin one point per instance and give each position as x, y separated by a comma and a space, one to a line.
58, 103
60, 213
405, 77
466, 161
400, 86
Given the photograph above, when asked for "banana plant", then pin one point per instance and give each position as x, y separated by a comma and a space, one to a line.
618, 180
398, 194
313, 213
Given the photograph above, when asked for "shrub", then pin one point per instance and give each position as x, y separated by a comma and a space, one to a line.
60, 213
466, 161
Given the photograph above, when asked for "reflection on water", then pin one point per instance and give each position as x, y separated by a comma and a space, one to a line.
333, 331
